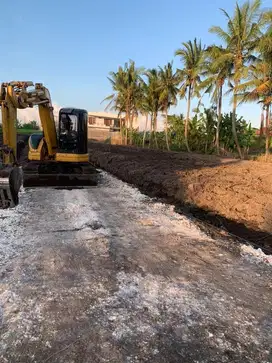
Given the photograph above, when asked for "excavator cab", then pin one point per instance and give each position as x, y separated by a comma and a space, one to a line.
57, 157
69, 166
73, 131
71, 139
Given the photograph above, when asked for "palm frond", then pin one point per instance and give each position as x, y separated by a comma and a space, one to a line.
220, 33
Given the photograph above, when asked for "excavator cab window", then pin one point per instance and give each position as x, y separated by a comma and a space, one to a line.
73, 131
68, 125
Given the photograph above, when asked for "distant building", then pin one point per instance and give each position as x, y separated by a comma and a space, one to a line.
101, 124
104, 120
258, 132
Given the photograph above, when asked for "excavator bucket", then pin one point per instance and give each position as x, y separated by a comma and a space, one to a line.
11, 179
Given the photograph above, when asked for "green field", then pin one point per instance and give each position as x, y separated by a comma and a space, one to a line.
27, 131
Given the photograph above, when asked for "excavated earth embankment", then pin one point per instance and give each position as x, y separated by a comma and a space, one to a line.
231, 194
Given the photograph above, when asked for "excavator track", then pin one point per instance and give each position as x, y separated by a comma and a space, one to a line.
11, 179
59, 175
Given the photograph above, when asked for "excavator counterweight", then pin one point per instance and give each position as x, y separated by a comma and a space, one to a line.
57, 157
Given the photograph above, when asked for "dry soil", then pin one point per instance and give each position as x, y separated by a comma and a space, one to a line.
108, 275
236, 193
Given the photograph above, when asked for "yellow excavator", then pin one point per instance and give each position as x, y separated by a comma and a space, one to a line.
57, 157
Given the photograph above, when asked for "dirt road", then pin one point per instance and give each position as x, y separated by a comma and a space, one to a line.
108, 275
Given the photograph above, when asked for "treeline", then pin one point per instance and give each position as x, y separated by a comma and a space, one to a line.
240, 68
202, 134
32, 125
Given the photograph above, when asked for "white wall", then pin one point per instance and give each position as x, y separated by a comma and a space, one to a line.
142, 122
138, 122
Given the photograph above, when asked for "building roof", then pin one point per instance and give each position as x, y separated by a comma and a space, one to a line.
104, 114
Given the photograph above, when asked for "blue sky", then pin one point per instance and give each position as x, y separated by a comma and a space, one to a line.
71, 46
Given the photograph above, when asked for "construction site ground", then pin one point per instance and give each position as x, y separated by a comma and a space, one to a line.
109, 274
231, 194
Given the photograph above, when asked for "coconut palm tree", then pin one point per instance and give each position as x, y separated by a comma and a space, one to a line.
116, 99
258, 85
191, 56
241, 38
169, 81
216, 76
258, 88
153, 100
126, 84
143, 106
134, 90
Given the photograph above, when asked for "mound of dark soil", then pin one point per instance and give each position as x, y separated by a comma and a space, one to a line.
238, 191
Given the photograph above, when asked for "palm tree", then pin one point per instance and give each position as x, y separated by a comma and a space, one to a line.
265, 48
169, 81
262, 122
126, 84
117, 100
191, 56
216, 74
241, 38
134, 82
258, 88
153, 100
208, 118
143, 106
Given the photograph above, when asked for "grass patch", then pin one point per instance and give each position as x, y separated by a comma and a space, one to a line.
24, 132
28, 131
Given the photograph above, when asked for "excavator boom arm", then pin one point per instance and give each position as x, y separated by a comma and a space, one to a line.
17, 95
14, 96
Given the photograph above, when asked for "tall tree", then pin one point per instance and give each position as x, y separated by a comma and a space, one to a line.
153, 100
216, 76
134, 90
143, 105
191, 56
241, 38
208, 119
258, 88
258, 85
126, 84
117, 100
169, 81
